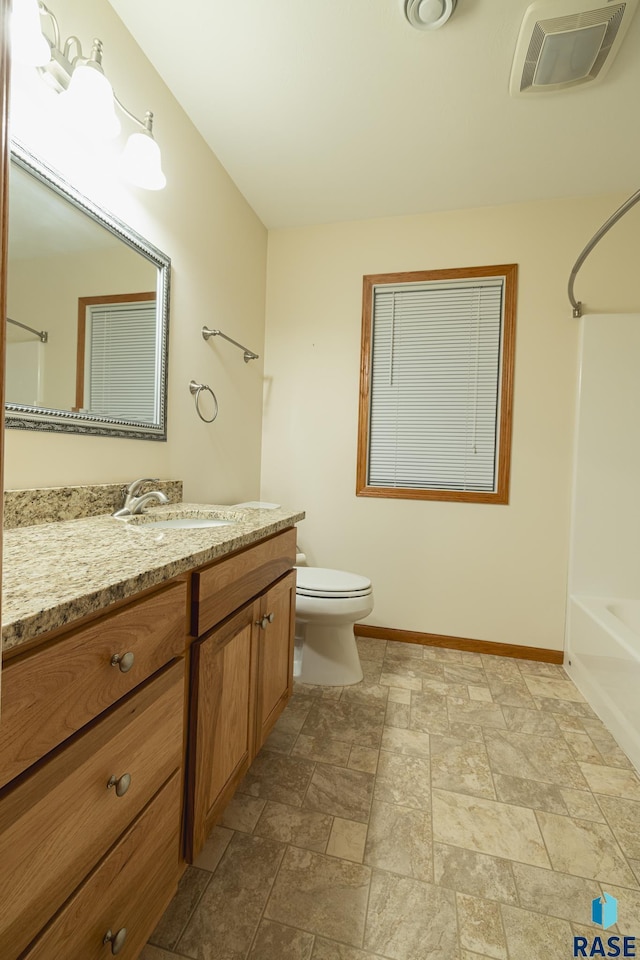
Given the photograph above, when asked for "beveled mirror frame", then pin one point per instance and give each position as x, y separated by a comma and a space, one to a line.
22, 417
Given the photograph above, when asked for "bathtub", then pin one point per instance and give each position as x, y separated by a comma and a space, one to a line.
603, 660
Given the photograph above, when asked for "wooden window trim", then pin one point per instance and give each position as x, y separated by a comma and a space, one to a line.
83, 303
501, 495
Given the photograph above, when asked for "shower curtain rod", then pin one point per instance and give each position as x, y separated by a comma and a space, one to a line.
42, 334
595, 239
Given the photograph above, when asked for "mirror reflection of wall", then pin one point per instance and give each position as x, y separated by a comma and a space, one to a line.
58, 259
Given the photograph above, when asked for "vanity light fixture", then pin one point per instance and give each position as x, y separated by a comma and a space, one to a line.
86, 95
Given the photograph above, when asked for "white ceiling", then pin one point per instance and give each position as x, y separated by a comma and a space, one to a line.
324, 110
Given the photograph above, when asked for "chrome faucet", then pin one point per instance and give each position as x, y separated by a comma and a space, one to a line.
133, 503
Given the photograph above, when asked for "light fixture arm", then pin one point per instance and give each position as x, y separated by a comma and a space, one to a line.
146, 124
45, 12
68, 44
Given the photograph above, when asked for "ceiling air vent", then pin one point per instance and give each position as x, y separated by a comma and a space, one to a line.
565, 43
428, 14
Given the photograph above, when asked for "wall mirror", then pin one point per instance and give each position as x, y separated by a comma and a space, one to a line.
87, 313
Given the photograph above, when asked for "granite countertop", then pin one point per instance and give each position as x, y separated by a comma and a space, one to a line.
55, 573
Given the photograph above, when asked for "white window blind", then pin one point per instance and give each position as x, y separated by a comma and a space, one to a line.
435, 375
121, 370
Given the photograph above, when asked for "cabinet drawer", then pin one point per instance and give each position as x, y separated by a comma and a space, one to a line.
51, 693
225, 586
128, 889
61, 819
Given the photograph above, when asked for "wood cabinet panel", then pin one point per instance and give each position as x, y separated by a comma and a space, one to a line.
60, 819
127, 889
225, 586
232, 708
223, 668
51, 693
275, 653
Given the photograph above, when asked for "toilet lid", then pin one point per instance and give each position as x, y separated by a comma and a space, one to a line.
321, 582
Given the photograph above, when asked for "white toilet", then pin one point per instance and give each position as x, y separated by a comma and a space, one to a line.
328, 603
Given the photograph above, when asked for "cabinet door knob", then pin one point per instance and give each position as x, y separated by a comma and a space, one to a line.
121, 784
124, 662
266, 620
116, 941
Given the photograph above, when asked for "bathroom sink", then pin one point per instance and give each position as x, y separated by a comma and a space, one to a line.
184, 517
187, 523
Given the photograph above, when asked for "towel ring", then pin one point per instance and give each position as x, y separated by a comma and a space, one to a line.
196, 389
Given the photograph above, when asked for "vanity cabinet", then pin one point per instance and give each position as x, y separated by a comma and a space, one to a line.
241, 673
98, 750
97, 808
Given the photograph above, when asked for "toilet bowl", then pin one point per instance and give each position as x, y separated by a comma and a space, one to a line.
328, 603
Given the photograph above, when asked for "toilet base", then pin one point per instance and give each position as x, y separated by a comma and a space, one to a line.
329, 655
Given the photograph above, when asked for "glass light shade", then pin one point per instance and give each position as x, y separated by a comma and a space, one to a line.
141, 162
28, 44
89, 102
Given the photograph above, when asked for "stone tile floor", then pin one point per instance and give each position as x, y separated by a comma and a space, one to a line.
452, 806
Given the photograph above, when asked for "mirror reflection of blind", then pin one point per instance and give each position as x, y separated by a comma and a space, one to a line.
121, 377
434, 385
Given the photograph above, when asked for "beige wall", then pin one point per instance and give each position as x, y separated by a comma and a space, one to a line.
482, 571
218, 251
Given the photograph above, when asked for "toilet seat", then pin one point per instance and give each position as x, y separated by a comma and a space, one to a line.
322, 582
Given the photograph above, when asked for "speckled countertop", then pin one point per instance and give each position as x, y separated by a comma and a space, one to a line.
55, 573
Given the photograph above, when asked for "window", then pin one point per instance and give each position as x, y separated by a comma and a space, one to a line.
117, 357
436, 384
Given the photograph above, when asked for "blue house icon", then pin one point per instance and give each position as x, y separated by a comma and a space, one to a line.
604, 910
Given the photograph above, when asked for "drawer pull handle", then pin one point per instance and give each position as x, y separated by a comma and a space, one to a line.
117, 941
266, 620
124, 662
121, 784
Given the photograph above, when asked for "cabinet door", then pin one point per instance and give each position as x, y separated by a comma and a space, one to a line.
275, 633
222, 720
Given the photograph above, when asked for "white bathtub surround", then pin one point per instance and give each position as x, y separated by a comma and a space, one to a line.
604, 662
603, 622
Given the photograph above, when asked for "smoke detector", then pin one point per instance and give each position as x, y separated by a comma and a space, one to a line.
428, 14
565, 43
